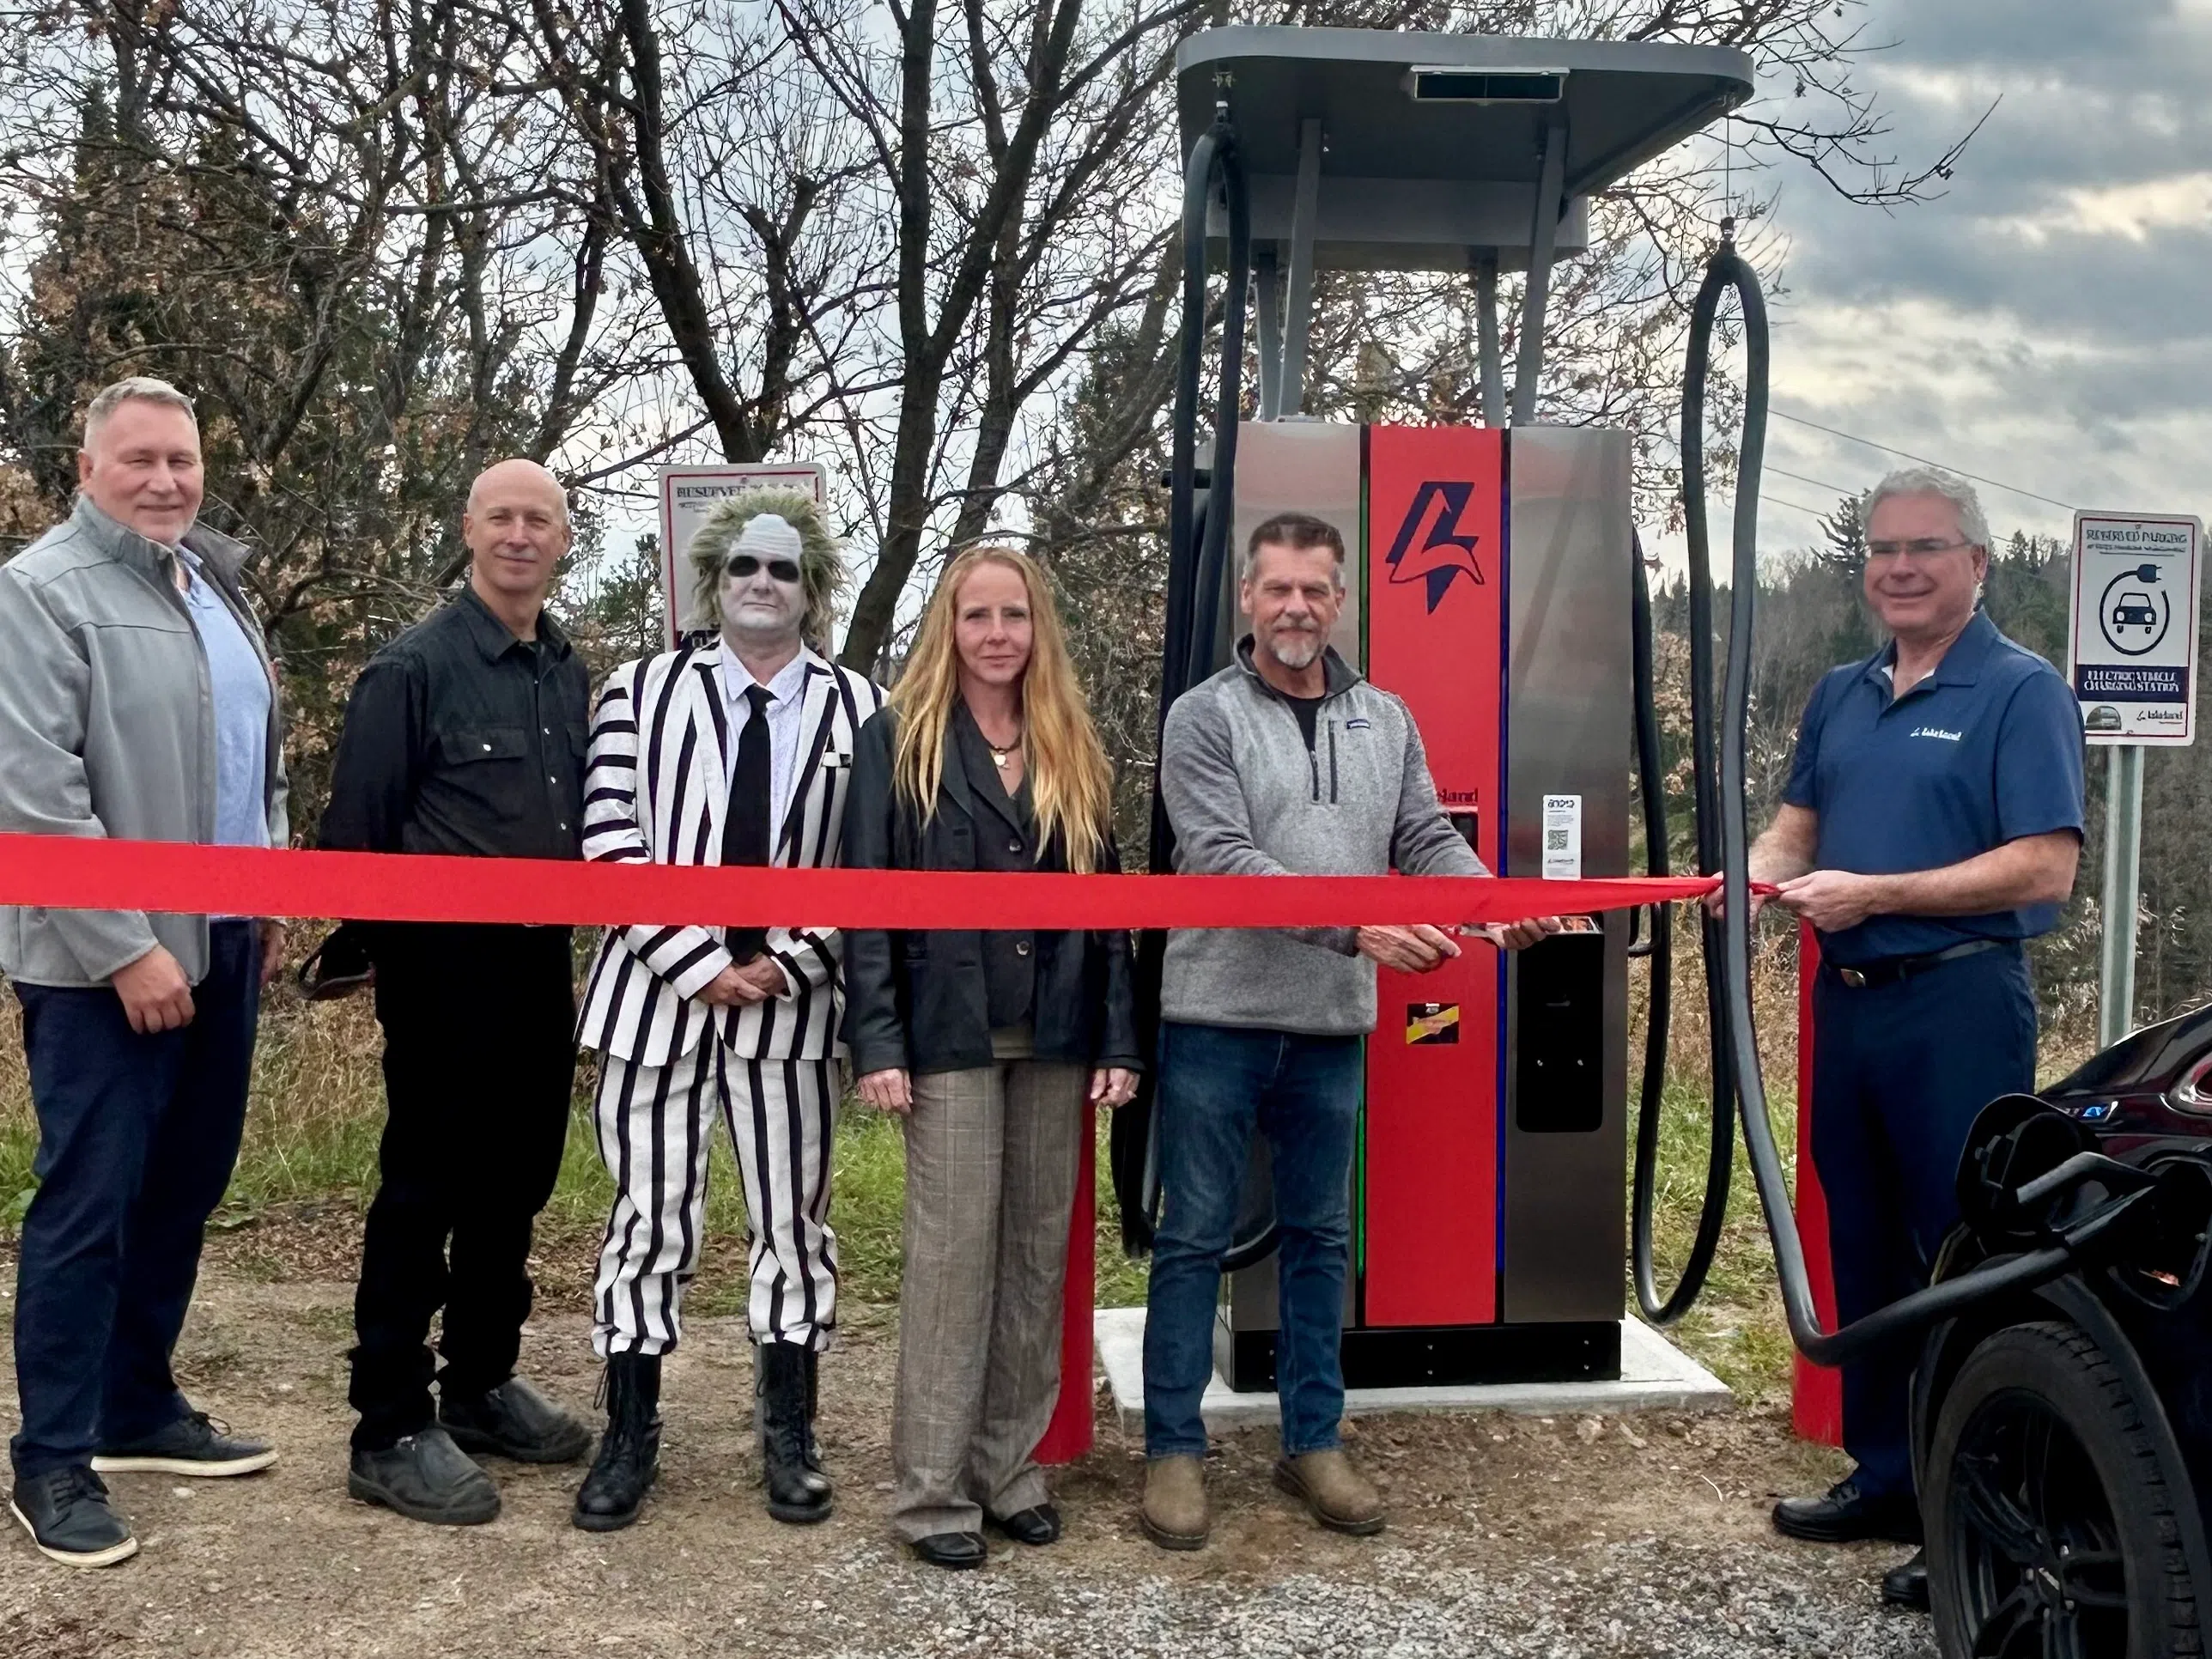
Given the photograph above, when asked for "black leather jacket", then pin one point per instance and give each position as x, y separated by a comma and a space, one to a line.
917, 1002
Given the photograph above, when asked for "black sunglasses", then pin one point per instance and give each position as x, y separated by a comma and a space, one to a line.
745, 564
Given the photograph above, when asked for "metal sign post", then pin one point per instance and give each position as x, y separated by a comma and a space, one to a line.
2116, 969
2132, 660
688, 495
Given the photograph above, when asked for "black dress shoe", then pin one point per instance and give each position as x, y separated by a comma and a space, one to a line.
1846, 1514
513, 1420
953, 1550
66, 1513
192, 1445
425, 1477
1907, 1586
1038, 1524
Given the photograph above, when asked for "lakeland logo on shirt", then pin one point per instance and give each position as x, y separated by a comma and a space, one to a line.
1937, 732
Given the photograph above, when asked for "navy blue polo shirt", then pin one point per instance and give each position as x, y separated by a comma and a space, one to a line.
1985, 750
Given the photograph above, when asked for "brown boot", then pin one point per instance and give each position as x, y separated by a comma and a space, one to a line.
1176, 1514
1335, 1493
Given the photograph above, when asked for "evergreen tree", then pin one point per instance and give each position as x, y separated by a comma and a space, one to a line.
1843, 531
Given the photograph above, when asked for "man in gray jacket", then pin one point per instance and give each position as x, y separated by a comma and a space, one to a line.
1284, 763
137, 702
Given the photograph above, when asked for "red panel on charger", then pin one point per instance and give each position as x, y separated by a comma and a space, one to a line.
1435, 598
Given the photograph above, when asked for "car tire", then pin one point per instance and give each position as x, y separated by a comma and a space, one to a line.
2052, 1504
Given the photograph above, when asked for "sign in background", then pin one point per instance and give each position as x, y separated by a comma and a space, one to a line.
688, 495
2132, 641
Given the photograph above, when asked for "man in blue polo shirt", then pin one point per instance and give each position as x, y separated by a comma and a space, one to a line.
1930, 825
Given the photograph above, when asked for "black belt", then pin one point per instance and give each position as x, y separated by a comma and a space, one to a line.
1893, 968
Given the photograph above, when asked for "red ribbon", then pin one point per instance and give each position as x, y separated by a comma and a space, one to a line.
81, 873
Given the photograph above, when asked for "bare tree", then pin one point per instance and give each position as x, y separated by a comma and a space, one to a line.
329, 227
931, 243
732, 183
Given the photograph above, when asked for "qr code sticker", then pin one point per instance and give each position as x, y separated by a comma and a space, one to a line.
1555, 841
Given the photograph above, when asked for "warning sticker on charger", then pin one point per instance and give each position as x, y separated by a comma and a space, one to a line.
1562, 838
1431, 1021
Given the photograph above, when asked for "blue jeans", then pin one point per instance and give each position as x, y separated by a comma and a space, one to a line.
1900, 1073
137, 1139
1216, 1084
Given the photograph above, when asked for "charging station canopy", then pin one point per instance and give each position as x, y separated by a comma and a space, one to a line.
1415, 152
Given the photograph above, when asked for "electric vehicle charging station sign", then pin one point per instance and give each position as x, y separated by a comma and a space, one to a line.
2132, 641
688, 495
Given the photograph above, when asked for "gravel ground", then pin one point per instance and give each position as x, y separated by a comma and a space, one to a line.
1560, 1538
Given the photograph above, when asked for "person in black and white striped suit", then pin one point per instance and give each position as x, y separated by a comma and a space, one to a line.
736, 752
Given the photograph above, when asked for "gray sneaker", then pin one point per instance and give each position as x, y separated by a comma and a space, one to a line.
426, 1477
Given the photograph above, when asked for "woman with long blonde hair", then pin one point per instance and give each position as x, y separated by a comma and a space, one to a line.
986, 1044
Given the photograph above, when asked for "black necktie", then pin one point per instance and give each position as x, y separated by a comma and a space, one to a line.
745, 824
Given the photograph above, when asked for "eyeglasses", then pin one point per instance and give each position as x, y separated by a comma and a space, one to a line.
745, 564
1923, 548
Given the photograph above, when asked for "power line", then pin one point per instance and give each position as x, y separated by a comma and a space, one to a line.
1778, 501
1765, 497
1890, 449
1818, 483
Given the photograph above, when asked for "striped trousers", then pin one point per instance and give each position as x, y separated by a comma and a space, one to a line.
654, 1123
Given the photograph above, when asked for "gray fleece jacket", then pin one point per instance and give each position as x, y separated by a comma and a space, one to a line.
1248, 798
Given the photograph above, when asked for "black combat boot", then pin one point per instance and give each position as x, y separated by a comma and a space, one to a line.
798, 1491
812, 1452
629, 1451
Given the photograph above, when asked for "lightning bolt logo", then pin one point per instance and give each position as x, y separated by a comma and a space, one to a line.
1445, 552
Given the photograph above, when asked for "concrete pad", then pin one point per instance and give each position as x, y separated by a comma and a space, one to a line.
1655, 1376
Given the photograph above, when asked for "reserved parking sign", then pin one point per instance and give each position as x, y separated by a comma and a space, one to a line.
688, 495
2132, 640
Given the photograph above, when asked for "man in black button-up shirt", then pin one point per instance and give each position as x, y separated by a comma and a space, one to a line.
466, 735
462, 738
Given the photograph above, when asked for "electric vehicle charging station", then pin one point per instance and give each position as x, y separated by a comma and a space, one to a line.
2062, 1423
1489, 581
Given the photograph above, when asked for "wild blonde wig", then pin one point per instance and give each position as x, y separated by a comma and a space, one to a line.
1071, 782
821, 565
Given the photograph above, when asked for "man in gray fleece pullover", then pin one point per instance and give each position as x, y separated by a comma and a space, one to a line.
1286, 763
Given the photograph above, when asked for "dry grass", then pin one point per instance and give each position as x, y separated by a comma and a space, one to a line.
317, 1111
312, 1134
1736, 1328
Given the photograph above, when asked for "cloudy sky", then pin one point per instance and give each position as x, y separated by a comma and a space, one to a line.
2048, 323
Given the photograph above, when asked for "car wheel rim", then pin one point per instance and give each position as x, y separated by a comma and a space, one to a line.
2041, 1574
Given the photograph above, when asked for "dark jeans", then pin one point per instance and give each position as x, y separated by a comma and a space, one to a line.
479, 1054
1900, 1073
137, 1139
1216, 1084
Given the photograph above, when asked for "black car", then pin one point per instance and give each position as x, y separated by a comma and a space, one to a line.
2063, 1435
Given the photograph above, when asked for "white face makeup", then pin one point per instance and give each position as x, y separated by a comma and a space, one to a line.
762, 595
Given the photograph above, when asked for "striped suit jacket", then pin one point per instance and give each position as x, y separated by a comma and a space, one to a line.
656, 790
